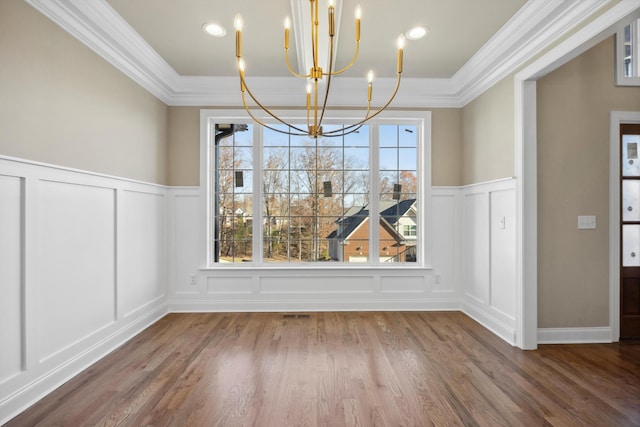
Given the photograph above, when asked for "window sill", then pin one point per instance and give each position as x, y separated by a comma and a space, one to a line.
319, 269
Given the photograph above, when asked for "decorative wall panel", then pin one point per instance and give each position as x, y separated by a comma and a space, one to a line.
11, 258
76, 249
141, 249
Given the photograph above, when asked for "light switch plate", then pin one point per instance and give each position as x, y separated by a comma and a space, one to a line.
586, 222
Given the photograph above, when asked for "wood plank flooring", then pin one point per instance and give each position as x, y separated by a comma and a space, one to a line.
343, 369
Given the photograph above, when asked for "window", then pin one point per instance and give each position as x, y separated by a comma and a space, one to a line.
409, 231
278, 200
628, 55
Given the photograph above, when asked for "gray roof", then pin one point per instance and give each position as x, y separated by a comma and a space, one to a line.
390, 211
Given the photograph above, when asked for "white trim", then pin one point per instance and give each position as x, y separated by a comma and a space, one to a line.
537, 24
616, 118
317, 305
65, 169
526, 167
492, 323
420, 118
100, 28
574, 335
97, 25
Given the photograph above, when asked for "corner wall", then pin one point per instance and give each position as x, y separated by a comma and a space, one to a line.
82, 269
60, 103
574, 103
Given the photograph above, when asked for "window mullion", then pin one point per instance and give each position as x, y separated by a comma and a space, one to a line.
257, 226
374, 194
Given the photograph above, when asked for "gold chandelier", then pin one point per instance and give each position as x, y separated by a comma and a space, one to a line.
315, 112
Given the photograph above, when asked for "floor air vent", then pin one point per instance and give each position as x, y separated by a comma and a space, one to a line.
296, 316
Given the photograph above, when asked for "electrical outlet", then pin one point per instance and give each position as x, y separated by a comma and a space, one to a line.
502, 222
194, 280
436, 279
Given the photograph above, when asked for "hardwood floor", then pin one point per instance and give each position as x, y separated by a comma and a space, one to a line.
343, 369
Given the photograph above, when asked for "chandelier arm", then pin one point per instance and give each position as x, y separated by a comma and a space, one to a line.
333, 134
329, 74
265, 109
347, 67
291, 70
263, 124
346, 130
380, 110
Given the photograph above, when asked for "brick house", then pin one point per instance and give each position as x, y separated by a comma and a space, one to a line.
350, 241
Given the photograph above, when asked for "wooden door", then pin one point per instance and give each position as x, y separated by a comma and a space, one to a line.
630, 231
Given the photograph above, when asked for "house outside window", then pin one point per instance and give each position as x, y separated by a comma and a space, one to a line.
278, 200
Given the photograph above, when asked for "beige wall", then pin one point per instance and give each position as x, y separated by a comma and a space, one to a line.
60, 103
184, 146
488, 131
446, 146
574, 103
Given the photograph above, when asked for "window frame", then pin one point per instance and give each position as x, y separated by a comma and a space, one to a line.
621, 79
420, 118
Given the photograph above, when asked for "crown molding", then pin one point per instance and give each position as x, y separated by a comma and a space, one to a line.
100, 28
287, 92
533, 28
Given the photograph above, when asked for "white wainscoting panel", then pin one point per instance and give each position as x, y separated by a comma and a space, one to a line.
231, 285
141, 249
186, 231
503, 256
62, 238
76, 230
489, 261
445, 249
11, 258
408, 285
237, 288
476, 245
315, 284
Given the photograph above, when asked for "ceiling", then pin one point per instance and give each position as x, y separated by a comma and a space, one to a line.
471, 45
458, 28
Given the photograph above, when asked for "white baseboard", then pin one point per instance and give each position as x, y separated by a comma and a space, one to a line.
490, 322
574, 335
313, 306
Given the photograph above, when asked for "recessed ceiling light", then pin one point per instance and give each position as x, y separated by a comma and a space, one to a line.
214, 29
416, 33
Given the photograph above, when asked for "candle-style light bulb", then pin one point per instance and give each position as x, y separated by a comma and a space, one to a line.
370, 86
308, 96
370, 76
238, 23
287, 28
332, 3
401, 41
358, 16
